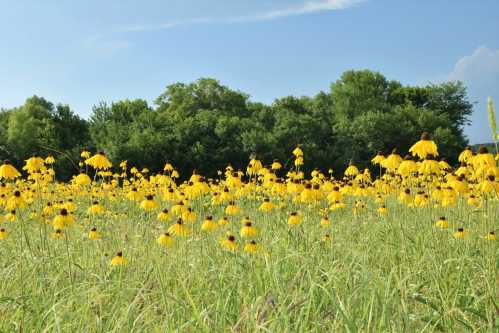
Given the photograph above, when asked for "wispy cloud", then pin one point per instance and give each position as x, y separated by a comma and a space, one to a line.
479, 71
105, 46
307, 7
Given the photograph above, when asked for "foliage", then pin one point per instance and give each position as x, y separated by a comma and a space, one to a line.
203, 123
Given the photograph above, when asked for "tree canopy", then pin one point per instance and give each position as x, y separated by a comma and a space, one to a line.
204, 125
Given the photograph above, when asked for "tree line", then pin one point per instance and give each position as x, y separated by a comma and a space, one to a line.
204, 125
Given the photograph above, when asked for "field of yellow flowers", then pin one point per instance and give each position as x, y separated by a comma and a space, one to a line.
409, 248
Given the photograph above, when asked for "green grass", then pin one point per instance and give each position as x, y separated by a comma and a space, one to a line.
397, 273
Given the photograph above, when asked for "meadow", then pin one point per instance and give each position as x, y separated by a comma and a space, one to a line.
410, 247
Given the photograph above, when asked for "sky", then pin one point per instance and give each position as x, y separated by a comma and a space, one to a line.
83, 52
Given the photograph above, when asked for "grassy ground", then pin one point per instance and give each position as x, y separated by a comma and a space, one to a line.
394, 273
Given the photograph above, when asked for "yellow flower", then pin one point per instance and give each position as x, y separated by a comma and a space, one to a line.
85, 154
382, 210
34, 164
294, 219
460, 233
179, 229
163, 215
351, 170
208, 224
50, 159
325, 221
168, 167
378, 159
99, 161
96, 208
11, 216
223, 221
165, 240
232, 209
94, 234
251, 247
57, 234
276, 165
3, 233
266, 206
7, 171
297, 151
229, 243
149, 203
491, 236
63, 219
442, 223
424, 147
119, 260
248, 230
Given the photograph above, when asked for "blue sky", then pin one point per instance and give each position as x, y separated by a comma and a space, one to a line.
83, 52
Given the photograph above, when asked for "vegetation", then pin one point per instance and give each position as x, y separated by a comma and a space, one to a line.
269, 249
204, 124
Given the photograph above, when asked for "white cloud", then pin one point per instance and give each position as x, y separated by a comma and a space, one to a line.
308, 7
480, 73
482, 67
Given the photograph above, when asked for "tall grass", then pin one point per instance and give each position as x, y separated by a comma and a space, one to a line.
393, 273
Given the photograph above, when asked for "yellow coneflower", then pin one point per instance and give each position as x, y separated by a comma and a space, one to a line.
82, 179
149, 203
179, 228
7, 171
165, 240
85, 153
57, 234
297, 151
473, 201
324, 221
189, 215
248, 230
326, 238
163, 215
179, 208
299, 161
294, 218
11, 216
208, 224
119, 260
94, 234
15, 201
232, 209
95, 208
460, 233
491, 236
405, 197
223, 221
382, 210
229, 243
34, 164
378, 159
276, 165
99, 161
424, 147
442, 223
63, 219
50, 159
266, 205
3, 233
352, 170
251, 247
133, 194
